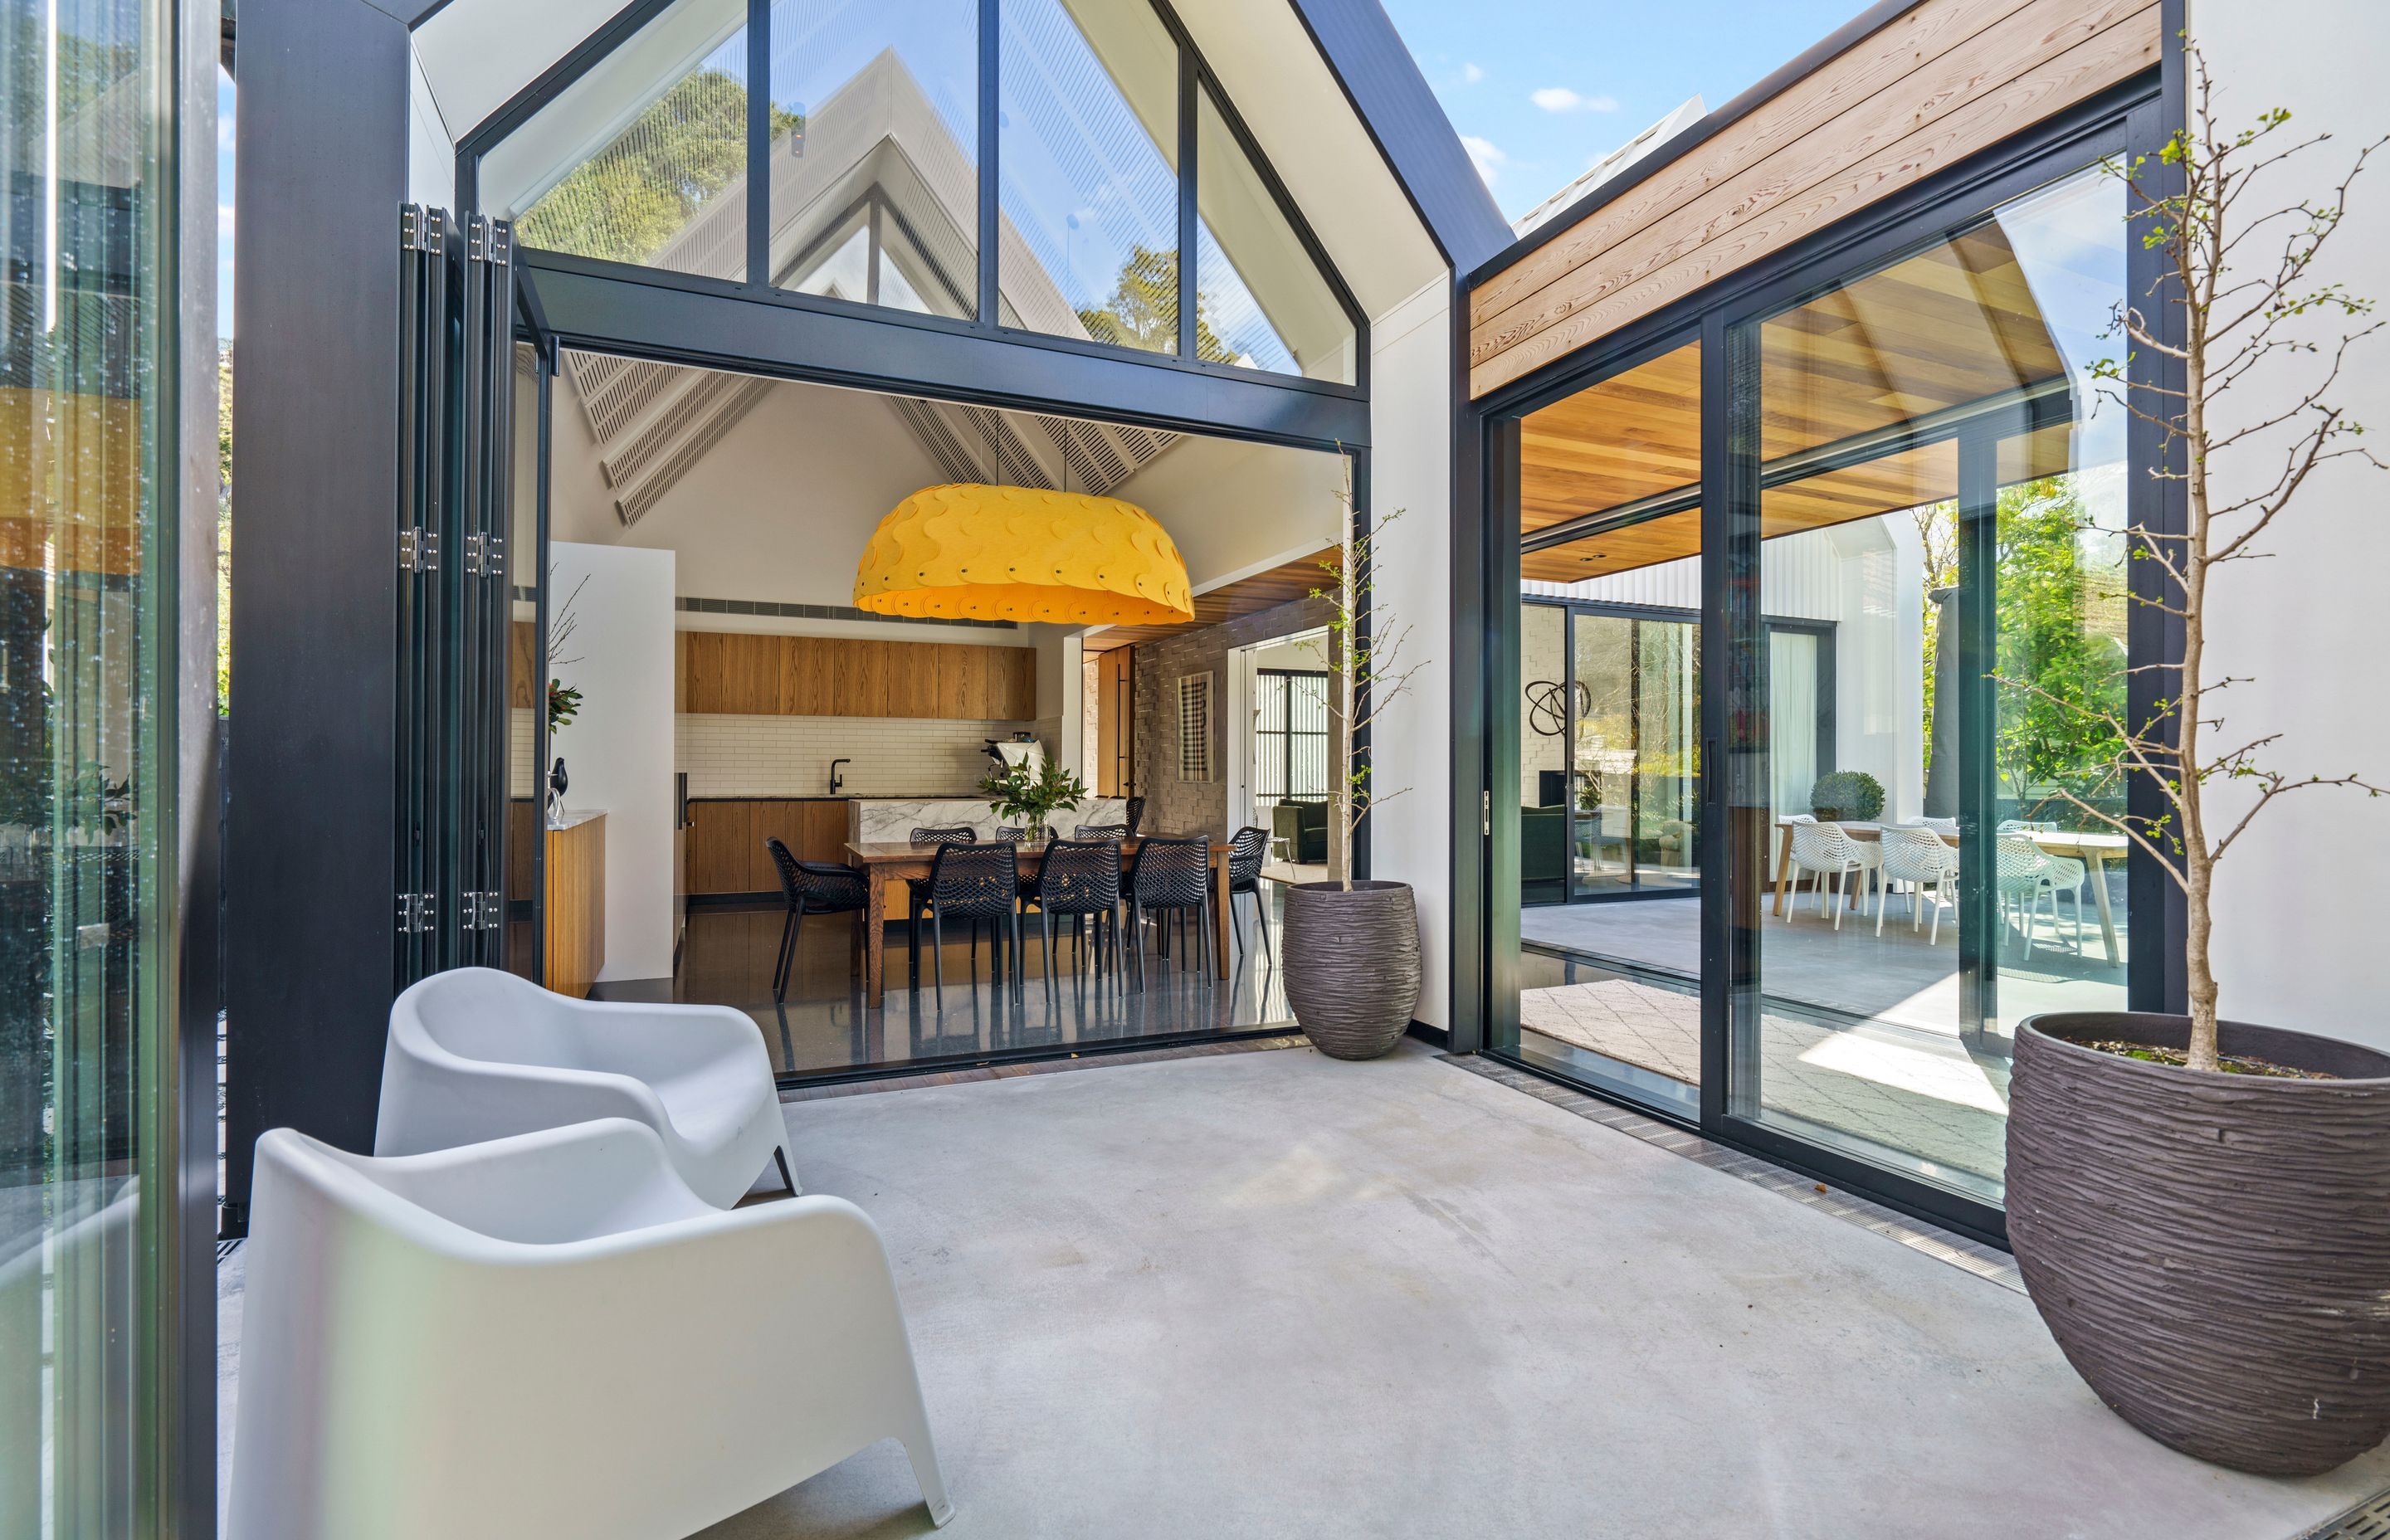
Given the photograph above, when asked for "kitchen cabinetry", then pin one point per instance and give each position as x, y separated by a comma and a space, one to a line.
725, 853
742, 675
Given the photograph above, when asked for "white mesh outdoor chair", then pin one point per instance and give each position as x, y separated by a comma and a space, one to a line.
551, 1335
478, 1054
1824, 851
2026, 873
1926, 863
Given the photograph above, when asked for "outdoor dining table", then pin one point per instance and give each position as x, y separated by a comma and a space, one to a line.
886, 864
2095, 850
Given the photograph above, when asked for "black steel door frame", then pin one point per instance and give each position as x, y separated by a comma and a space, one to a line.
2132, 119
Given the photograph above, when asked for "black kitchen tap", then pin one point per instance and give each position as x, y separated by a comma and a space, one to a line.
835, 781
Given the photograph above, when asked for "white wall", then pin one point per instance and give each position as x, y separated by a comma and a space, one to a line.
430, 149
618, 750
2292, 946
1410, 433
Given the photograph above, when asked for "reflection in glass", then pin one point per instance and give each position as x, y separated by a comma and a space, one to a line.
84, 766
525, 693
1979, 638
1089, 173
643, 160
1263, 303
874, 152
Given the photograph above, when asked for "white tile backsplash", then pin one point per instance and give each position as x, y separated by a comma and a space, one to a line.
780, 756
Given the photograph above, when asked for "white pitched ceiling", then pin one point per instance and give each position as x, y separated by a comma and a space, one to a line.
477, 54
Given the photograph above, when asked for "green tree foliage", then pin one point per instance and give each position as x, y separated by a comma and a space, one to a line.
628, 200
1143, 310
2062, 609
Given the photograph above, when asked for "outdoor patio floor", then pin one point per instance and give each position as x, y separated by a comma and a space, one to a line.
1269, 1293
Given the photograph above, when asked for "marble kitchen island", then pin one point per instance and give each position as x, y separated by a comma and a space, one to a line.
873, 820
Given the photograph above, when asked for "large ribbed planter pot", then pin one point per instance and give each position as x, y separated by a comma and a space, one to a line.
1352, 961
2212, 1252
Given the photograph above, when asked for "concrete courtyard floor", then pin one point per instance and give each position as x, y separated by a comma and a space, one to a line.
1271, 1294
1274, 1294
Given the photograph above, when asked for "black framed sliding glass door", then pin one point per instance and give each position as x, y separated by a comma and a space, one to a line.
1834, 574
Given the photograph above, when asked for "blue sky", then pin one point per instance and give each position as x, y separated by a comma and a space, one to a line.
1541, 89
1538, 89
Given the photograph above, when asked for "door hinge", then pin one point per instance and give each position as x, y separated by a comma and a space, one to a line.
419, 550
417, 913
1487, 829
490, 241
484, 911
420, 229
486, 555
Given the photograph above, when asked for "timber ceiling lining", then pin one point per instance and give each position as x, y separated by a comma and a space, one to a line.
1249, 596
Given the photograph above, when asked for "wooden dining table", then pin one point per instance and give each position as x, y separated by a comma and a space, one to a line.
886, 865
2095, 850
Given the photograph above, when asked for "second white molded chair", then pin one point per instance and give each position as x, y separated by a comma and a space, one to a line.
476, 1054
1925, 861
1826, 850
550, 1335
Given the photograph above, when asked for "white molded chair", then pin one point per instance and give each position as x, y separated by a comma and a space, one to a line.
550, 1335
477, 1054
1826, 850
1923, 860
2028, 873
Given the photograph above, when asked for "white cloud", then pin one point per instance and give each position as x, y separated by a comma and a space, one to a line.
1471, 74
1485, 156
1559, 98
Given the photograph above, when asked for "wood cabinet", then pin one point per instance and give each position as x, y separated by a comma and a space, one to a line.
576, 905
737, 673
725, 849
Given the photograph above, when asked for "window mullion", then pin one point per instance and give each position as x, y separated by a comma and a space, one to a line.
759, 143
990, 82
1187, 212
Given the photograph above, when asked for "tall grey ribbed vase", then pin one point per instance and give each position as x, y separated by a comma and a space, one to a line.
2211, 1251
1352, 960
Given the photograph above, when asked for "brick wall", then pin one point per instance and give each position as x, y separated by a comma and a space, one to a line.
1189, 807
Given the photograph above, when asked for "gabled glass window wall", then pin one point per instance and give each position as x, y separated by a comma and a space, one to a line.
1105, 195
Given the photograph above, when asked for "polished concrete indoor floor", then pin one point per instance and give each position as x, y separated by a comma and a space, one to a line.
825, 1027
1271, 1294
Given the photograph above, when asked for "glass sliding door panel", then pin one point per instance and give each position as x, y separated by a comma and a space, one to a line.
1610, 557
643, 160
874, 152
88, 1186
1089, 173
526, 687
1935, 866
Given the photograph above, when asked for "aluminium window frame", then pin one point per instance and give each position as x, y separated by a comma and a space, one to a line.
1326, 735
2132, 118
1194, 74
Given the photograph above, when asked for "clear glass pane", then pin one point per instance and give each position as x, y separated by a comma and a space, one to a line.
644, 159
84, 623
1936, 864
1089, 172
524, 692
1544, 720
1261, 301
875, 152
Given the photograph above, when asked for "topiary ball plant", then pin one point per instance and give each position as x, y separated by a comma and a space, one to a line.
1847, 794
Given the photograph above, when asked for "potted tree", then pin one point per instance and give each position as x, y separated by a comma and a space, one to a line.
1351, 948
2202, 1207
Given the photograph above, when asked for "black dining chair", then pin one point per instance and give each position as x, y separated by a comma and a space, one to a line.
917, 892
813, 888
1170, 877
1246, 848
1114, 832
974, 881
1135, 813
1078, 881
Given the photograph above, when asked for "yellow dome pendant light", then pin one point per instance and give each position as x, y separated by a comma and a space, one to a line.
969, 551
